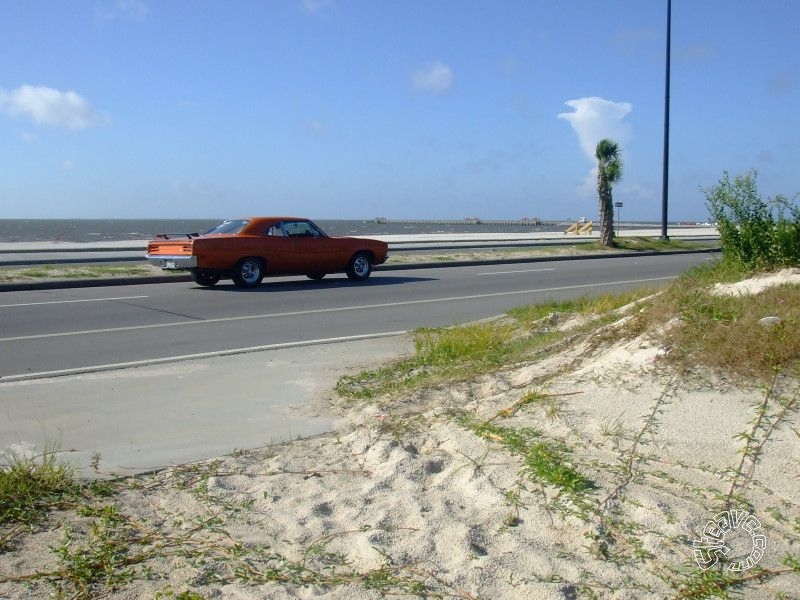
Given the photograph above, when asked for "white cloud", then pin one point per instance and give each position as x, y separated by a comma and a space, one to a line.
67, 165
595, 118
28, 137
47, 106
436, 78
592, 120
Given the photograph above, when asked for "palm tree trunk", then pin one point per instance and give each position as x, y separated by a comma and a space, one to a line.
606, 210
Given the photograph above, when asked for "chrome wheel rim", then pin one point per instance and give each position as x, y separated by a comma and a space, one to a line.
250, 271
361, 266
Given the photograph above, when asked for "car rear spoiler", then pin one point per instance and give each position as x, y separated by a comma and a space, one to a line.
167, 236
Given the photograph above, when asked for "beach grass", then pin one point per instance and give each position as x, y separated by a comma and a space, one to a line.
30, 486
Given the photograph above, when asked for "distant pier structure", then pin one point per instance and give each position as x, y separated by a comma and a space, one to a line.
524, 222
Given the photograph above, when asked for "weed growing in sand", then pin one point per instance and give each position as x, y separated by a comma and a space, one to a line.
715, 583
770, 413
551, 405
105, 558
514, 501
545, 461
31, 486
168, 592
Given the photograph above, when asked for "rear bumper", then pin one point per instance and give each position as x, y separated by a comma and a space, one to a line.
172, 263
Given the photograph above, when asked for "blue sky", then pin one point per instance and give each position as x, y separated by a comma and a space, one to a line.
415, 109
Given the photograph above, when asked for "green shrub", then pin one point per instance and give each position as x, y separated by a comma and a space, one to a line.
752, 232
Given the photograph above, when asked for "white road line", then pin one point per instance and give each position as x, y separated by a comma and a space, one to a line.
522, 271
72, 301
201, 355
326, 310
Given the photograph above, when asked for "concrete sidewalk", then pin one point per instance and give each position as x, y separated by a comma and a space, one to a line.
145, 418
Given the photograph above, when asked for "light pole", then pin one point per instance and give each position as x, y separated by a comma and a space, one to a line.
618, 205
665, 175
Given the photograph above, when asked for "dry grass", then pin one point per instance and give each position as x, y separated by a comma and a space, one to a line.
65, 272
723, 332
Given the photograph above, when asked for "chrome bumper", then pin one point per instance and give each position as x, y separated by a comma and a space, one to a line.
170, 263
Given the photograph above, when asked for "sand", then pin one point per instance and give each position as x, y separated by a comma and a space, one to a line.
404, 496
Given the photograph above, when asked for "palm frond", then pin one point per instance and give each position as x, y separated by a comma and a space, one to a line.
607, 150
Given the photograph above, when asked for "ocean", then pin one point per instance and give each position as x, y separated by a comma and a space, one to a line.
96, 230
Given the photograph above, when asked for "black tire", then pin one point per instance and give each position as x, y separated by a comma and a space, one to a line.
360, 266
315, 276
204, 278
248, 272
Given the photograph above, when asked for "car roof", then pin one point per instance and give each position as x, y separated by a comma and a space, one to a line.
257, 223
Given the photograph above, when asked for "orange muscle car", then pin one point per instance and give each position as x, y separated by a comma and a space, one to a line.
247, 250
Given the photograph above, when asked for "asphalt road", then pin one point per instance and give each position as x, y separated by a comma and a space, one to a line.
82, 330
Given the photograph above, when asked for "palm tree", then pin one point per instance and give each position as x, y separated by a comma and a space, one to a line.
609, 171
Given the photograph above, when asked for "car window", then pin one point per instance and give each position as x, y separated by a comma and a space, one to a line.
275, 230
301, 229
229, 226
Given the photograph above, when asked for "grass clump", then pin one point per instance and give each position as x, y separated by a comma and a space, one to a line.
475, 343
722, 332
31, 486
445, 352
530, 316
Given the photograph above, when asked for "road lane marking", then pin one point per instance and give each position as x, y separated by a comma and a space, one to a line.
521, 271
170, 359
73, 301
326, 310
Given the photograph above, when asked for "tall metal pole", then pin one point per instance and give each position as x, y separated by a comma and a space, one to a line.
665, 175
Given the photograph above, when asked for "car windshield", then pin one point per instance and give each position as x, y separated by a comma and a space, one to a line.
230, 226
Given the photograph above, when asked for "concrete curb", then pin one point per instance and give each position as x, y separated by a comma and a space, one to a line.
84, 283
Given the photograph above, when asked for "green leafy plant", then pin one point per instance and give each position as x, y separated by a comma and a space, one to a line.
752, 232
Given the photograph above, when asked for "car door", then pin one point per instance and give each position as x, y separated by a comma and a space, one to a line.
277, 250
311, 252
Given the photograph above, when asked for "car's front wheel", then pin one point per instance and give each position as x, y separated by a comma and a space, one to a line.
204, 278
248, 272
360, 266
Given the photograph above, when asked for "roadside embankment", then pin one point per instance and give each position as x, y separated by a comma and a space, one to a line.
630, 446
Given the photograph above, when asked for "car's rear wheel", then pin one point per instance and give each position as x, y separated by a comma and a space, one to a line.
204, 278
360, 266
315, 276
248, 272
